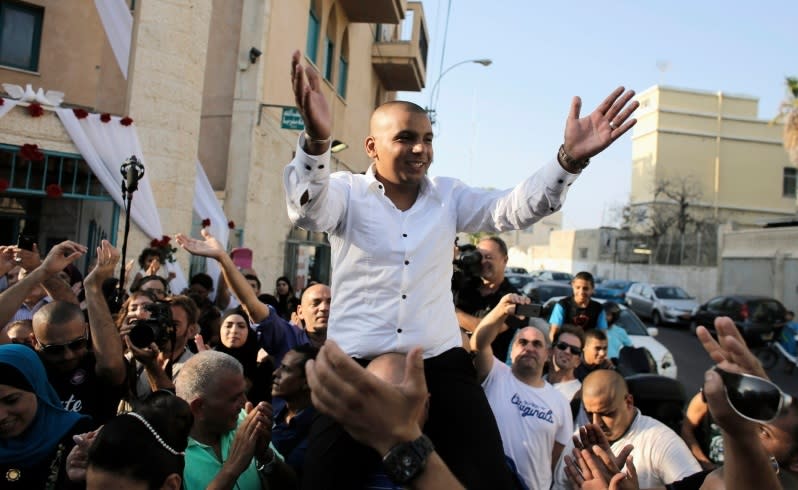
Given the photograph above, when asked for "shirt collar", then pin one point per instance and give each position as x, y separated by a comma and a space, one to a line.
428, 185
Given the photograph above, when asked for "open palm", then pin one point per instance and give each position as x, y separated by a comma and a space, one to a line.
589, 135
209, 246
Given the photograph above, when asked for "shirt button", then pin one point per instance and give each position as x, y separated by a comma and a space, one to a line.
307, 167
407, 262
404, 296
404, 235
398, 330
560, 181
322, 166
380, 186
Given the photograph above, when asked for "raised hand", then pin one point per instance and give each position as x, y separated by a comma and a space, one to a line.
200, 342
107, 258
730, 352
209, 246
7, 261
589, 135
154, 267
62, 255
591, 435
28, 259
309, 100
372, 411
77, 461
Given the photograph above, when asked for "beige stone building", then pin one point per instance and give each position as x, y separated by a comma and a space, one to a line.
733, 161
207, 80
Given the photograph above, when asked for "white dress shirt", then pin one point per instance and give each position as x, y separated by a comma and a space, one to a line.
392, 269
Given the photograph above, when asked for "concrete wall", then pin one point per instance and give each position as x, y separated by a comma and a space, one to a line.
763, 262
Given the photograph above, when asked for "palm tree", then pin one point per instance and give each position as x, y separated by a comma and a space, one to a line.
788, 113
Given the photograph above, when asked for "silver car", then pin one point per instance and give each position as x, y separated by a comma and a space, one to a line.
663, 304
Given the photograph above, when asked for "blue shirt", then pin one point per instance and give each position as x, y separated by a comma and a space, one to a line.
617, 338
291, 438
558, 316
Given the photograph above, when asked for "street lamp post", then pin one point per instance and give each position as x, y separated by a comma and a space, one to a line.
433, 96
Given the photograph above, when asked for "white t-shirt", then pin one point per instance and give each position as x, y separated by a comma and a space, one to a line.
530, 421
567, 388
660, 455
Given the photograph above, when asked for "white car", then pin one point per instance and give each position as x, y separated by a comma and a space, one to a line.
640, 335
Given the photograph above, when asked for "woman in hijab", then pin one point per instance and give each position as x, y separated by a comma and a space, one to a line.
237, 339
35, 431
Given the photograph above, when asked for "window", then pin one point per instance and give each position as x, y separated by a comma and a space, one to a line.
314, 26
583, 252
789, 181
20, 35
329, 47
343, 65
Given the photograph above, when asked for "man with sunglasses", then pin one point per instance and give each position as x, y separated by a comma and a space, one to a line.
565, 357
84, 361
534, 419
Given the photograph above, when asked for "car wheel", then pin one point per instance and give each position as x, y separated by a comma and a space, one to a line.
656, 318
768, 357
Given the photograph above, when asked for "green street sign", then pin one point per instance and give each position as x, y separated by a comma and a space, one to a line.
291, 119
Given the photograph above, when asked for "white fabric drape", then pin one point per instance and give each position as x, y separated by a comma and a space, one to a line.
104, 147
8, 104
207, 206
118, 24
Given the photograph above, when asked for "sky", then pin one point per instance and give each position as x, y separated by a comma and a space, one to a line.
498, 124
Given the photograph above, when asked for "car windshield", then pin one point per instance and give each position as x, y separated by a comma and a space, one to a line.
615, 285
629, 321
561, 276
671, 293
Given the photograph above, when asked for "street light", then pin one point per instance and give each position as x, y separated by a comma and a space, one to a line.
433, 96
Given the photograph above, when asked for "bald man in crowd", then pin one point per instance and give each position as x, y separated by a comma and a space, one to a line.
660, 455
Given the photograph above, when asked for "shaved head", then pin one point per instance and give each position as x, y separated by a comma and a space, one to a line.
56, 314
378, 116
604, 383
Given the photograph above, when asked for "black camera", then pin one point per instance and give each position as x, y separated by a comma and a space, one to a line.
158, 328
467, 268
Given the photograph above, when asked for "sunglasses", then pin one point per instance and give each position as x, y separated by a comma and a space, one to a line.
73, 345
754, 398
574, 350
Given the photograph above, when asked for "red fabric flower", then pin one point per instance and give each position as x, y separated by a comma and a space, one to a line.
166, 239
126, 121
31, 152
80, 113
105, 117
206, 222
35, 110
3, 183
54, 191
2, 101
154, 243
231, 224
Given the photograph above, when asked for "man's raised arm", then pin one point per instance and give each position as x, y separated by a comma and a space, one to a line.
210, 247
488, 329
104, 335
59, 257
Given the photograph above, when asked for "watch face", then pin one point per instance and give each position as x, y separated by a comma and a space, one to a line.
405, 461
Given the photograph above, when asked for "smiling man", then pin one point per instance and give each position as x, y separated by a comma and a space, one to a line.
391, 231
578, 309
660, 455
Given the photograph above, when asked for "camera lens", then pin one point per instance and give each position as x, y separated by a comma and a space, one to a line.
141, 335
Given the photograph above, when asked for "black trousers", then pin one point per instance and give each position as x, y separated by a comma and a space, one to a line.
461, 426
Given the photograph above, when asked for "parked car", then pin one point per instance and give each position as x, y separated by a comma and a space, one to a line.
540, 292
516, 270
662, 304
519, 280
757, 317
552, 276
639, 334
613, 289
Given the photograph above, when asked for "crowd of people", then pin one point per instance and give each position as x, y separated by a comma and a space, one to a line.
384, 379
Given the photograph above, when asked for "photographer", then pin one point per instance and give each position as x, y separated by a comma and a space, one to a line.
475, 299
171, 324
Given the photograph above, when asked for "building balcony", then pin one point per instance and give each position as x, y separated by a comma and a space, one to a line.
374, 11
401, 64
